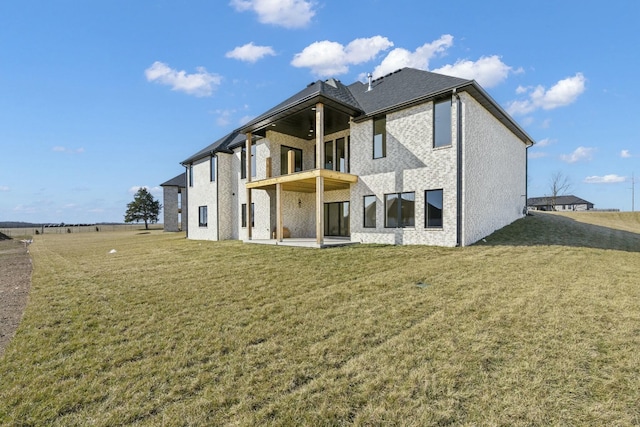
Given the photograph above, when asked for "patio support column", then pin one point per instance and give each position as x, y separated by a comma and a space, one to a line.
248, 166
279, 212
319, 179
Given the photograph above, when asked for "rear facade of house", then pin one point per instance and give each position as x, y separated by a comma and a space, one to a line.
410, 158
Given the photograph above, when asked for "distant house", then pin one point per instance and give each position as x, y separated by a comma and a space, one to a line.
561, 203
413, 157
175, 204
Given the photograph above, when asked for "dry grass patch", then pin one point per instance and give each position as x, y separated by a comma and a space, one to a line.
178, 332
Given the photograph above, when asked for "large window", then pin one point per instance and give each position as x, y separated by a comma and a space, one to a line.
202, 216
433, 209
399, 210
243, 161
244, 215
379, 137
213, 168
442, 123
369, 211
284, 160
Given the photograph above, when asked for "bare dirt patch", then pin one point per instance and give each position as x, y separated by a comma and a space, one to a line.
15, 282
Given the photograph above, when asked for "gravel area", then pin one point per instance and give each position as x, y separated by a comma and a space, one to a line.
15, 282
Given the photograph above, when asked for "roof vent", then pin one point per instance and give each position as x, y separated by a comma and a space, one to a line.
370, 77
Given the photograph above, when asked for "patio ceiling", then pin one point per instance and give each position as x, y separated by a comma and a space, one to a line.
299, 120
305, 182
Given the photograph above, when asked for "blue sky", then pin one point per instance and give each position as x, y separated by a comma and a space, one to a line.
98, 98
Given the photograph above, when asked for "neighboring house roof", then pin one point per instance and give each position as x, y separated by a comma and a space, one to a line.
177, 181
394, 91
560, 200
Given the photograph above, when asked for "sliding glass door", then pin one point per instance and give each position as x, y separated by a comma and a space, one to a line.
336, 219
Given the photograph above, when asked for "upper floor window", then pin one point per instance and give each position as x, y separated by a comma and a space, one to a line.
369, 211
442, 123
202, 216
399, 210
284, 160
243, 161
212, 162
190, 177
379, 137
433, 209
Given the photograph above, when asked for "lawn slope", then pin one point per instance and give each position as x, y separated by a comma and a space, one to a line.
536, 326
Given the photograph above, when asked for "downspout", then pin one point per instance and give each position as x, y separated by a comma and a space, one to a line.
459, 168
186, 192
215, 157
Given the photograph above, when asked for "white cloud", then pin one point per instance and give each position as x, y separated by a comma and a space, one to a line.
400, 58
537, 154
563, 93
625, 154
285, 13
250, 52
327, 58
61, 149
4, 188
545, 142
153, 190
489, 71
606, 179
244, 120
579, 154
201, 83
135, 188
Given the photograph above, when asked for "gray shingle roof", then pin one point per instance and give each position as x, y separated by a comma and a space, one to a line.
176, 181
400, 89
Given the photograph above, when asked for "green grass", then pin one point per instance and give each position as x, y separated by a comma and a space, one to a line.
539, 325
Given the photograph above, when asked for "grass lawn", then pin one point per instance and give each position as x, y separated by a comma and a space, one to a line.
539, 325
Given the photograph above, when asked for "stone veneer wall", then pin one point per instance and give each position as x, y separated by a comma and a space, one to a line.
494, 184
170, 208
411, 165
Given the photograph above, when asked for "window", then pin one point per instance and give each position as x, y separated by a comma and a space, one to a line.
433, 210
202, 216
369, 211
399, 210
442, 123
190, 170
379, 137
284, 160
213, 168
328, 155
244, 215
243, 161
341, 154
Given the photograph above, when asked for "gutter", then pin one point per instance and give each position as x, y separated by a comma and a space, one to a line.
459, 168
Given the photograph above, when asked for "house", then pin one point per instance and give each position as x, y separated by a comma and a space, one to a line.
413, 157
559, 203
175, 205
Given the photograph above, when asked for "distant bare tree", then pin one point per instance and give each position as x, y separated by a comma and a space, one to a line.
559, 185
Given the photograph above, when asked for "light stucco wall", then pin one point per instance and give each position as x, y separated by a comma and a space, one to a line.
411, 165
494, 165
202, 192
